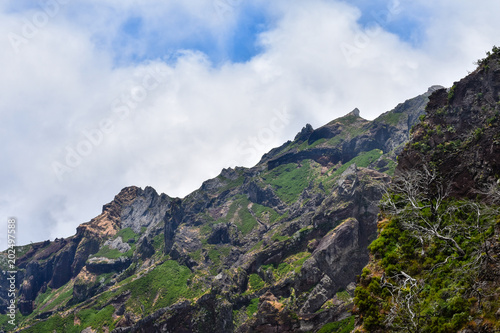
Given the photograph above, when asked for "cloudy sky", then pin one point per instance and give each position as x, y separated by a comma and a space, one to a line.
97, 95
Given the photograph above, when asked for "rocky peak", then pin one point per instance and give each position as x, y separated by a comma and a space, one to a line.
108, 223
434, 88
304, 133
354, 113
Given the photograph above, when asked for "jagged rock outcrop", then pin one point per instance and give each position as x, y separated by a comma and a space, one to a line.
117, 244
148, 208
100, 265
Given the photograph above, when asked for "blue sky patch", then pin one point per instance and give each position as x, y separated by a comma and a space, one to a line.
132, 27
391, 15
243, 44
137, 40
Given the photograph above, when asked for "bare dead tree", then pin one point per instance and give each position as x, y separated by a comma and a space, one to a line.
405, 312
415, 197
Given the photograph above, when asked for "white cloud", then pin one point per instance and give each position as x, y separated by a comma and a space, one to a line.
190, 118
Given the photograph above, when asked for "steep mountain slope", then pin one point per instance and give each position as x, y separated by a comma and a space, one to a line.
436, 264
276, 247
459, 134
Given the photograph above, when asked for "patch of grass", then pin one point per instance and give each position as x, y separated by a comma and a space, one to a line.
206, 229
348, 120
108, 252
289, 264
253, 307
363, 160
42, 298
225, 250
168, 279
255, 283
196, 255
214, 256
106, 296
159, 241
232, 183
49, 299
451, 93
317, 143
283, 217
100, 320
247, 221
391, 167
366, 158
354, 131
343, 296
343, 326
278, 238
336, 140
55, 323
97, 319
299, 259
239, 215
257, 246
127, 234
4, 323
391, 118
289, 180
22, 250
282, 269
305, 145
265, 214
63, 298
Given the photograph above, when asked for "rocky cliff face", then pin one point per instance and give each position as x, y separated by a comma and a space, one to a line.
275, 247
460, 133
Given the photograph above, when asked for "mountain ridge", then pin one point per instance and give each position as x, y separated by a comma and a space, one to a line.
251, 248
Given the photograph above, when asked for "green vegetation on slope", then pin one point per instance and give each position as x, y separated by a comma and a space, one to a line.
161, 287
391, 118
362, 160
343, 326
238, 214
128, 235
434, 253
100, 320
289, 180
265, 214
110, 253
